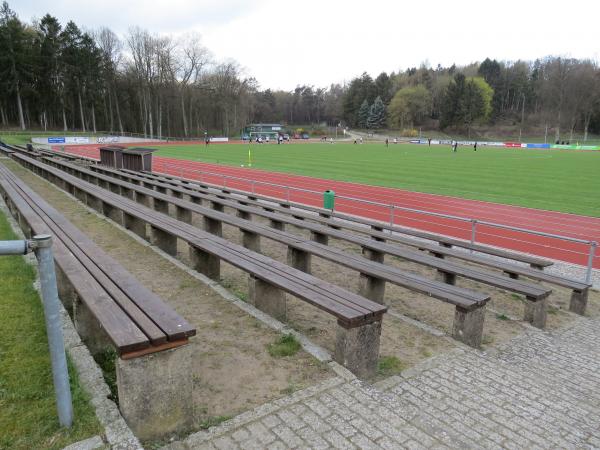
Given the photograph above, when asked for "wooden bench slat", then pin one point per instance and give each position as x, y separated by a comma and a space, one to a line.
505, 266
498, 280
447, 293
122, 331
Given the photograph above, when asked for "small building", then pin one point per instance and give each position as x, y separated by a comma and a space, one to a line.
254, 130
138, 159
112, 156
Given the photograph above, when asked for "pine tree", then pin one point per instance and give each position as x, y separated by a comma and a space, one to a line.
377, 115
363, 114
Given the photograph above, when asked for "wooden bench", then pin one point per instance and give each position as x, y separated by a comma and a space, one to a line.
358, 319
373, 274
110, 309
329, 216
372, 281
580, 290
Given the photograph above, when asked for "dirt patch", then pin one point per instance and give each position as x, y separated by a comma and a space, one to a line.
405, 341
233, 369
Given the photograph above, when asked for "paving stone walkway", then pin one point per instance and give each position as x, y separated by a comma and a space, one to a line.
540, 391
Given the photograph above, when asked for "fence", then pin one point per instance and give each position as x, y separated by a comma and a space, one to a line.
566, 248
42, 246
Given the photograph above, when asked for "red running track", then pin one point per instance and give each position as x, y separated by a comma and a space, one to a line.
571, 225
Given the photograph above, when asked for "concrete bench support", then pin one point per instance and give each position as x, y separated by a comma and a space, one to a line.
134, 224
277, 225
112, 213
163, 240
251, 241
468, 326
88, 327
446, 277
536, 312
80, 195
368, 286
142, 199
216, 206
579, 302
319, 237
183, 214
299, 259
155, 392
243, 215
126, 192
514, 276
160, 206
66, 291
93, 202
176, 194
212, 226
268, 298
371, 288
205, 263
357, 348
114, 188
160, 189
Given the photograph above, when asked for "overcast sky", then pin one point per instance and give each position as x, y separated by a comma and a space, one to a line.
283, 43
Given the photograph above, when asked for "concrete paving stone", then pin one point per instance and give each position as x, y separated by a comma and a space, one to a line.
241, 434
270, 421
337, 440
540, 390
258, 431
287, 436
363, 442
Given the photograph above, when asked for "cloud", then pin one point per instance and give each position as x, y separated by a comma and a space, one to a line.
283, 43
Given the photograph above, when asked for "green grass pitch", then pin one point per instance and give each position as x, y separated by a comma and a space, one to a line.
565, 181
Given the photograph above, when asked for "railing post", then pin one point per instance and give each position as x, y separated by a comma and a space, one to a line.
473, 231
590, 265
60, 374
392, 214
253, 187
287, 193
224, 181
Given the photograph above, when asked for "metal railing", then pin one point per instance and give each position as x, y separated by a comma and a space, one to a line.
286, 191
42, 246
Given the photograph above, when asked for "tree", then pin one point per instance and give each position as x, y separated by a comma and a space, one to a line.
13, 55
410, 105
451, 107
465, 102
377, 115
360, 89
485, 91
363, 114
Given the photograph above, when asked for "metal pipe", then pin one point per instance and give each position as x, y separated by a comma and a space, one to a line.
426, 213
473, 231
60, 374
13, 247
392, 213
588, 274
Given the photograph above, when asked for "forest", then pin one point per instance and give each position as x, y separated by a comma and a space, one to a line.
57, 76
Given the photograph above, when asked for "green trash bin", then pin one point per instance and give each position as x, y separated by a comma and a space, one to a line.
328, 199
